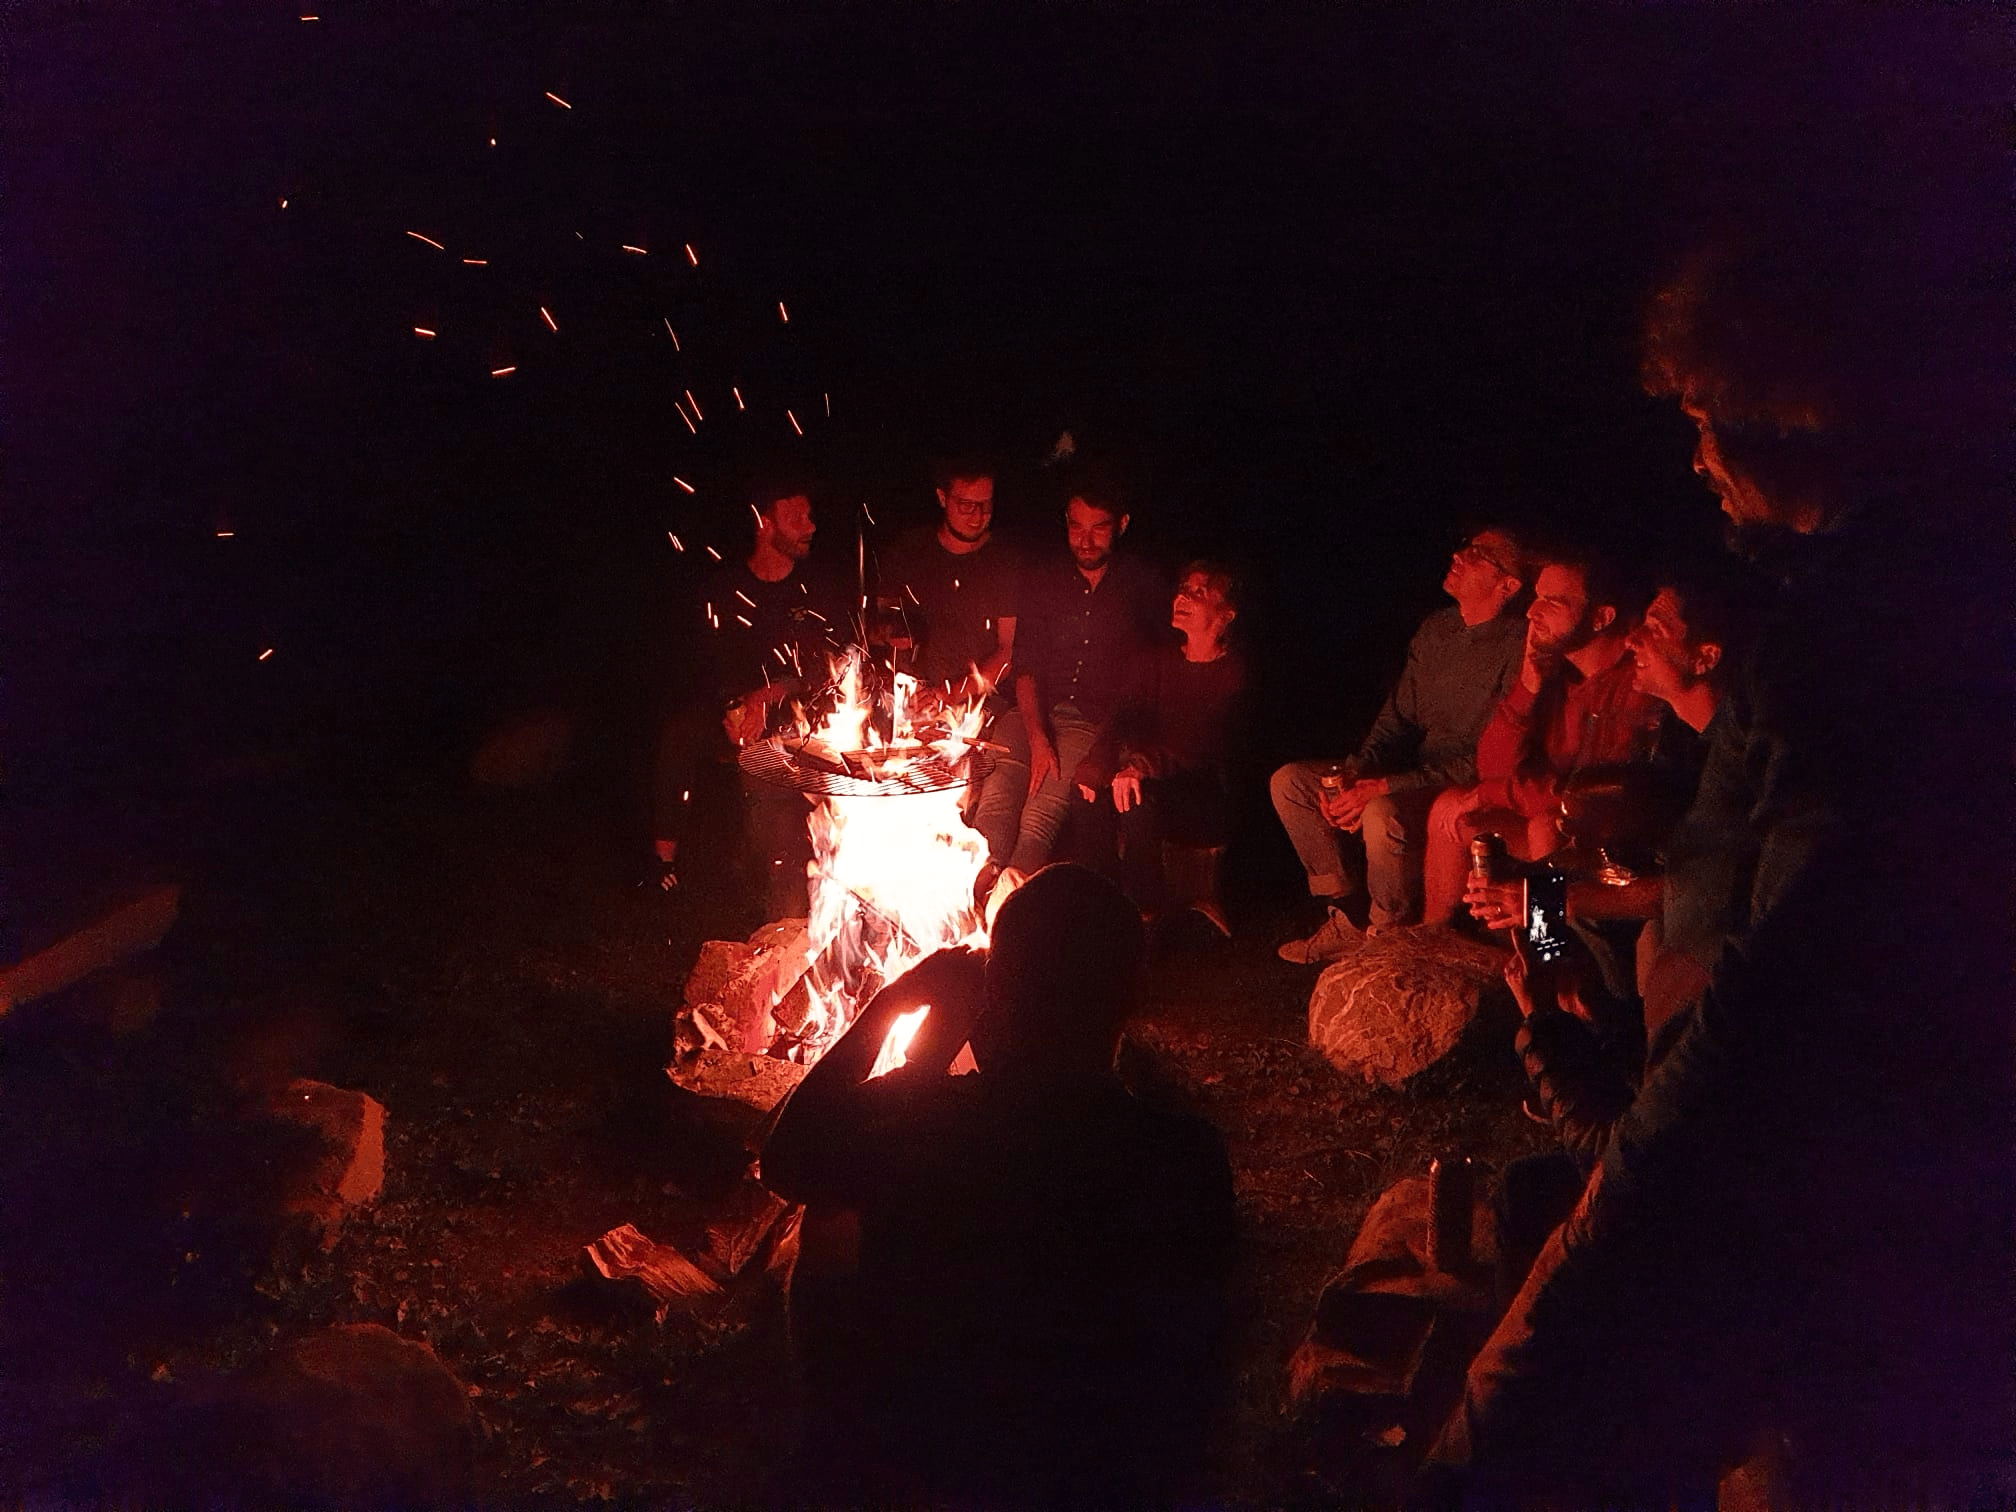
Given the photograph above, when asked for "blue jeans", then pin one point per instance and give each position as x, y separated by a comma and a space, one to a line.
1021, 827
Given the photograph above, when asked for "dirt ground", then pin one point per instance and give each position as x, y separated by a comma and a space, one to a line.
499, 973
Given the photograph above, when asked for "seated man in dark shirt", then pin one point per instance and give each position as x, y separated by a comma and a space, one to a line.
1035, 1311
763, 627
947, 590
1087, 616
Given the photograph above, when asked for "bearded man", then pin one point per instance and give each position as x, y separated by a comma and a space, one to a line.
1575, 705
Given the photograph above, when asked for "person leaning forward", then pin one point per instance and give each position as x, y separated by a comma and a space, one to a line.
1461, 662
1087, 618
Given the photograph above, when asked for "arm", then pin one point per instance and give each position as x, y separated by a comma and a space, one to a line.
996, 666
1042, 754
1502, 744
826, 1130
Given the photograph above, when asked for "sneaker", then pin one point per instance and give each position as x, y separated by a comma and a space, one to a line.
1337, 938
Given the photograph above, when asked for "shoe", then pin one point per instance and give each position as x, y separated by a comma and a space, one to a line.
1337, 938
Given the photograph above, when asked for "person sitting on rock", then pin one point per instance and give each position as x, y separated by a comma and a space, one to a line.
1461, 662
1026, 1302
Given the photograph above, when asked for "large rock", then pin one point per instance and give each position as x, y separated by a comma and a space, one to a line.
1402, 1000
348, 1167
352, 1416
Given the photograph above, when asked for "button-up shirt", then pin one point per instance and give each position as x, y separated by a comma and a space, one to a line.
1081, 643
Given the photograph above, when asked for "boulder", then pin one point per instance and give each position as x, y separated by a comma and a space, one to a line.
1402, 1000
348, 1168
350, 1416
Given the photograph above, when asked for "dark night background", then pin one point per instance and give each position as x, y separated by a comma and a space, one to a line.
1321, 281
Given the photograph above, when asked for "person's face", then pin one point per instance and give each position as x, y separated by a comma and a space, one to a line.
969, 507
791, 526
1668, 659
1091, 532
1479, 566
1200, 611
1560, 619
1743, 501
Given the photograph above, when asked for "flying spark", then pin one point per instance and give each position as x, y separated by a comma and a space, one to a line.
684, 484
225, 535
783, 313
745, 598
475, 262
503, 372
311, 18
558, 101
829, 405
266, 653
547, 316
696, 405
283, 204
493, 141
686, 417
794, 422
670, 332
427, 239
692, 256
638, 250
713, 553
423, 333
738, 400
677, 544
749, 623
868, 512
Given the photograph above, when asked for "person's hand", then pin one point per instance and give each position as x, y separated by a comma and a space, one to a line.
1518, 976
1536, 666
1126, 789
667, 852
745, 719
1042, 760
1345, 808
1496, 905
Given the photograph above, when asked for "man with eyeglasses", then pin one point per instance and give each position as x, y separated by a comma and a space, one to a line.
1461, 662
948, 589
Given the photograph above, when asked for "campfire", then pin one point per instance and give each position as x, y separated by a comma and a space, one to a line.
889, 767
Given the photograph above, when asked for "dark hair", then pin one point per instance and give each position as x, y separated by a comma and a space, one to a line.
766, 488
1220, 578
1064, 967
1605, 577
1719, 600
953, 467
1098, 487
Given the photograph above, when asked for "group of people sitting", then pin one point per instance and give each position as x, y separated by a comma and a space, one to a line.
1777, 1050
1114, 706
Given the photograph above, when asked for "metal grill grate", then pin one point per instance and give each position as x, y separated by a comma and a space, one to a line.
862, 774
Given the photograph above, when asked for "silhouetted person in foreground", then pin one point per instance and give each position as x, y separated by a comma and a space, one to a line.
1012, 1290
1795, 1249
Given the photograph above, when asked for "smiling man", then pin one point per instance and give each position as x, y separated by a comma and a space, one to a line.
949, 587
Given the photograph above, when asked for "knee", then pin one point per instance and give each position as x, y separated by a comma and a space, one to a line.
1382, 817
1446, 817
1289, 786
